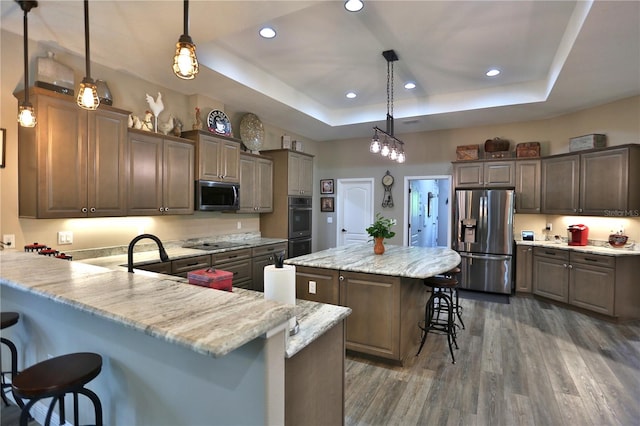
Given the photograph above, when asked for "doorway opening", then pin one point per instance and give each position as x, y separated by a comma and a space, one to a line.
427, 211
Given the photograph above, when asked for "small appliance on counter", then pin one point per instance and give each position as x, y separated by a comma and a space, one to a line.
578, 235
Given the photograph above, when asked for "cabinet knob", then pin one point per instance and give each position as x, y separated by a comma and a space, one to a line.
341, 278
92, 210
84, 210
570, 266
529, 249
161, 209
564, 264
166, 209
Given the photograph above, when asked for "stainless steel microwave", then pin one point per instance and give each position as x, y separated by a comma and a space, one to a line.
217, 196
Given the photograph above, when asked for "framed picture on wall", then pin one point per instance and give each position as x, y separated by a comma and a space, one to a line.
326, 204
326, 186
3, 146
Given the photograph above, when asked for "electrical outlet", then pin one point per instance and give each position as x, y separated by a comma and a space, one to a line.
312, 287
549, 227
239, 225
9, 240
65, 237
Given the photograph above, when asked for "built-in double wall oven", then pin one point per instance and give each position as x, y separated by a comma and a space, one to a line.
299, 226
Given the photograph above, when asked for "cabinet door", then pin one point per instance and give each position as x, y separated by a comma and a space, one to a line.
293, 178
145, 175
499, 173
178, 177
318, 285
263, 194
241, 270
230, 165
527, 186
592, 287
306, 175
469, 175
374, 324
247, 184
560, 185
524, 269
604, 181
551, 278
62, 158
106, 163
209, 152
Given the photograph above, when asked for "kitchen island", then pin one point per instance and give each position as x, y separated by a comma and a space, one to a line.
385, 292
173, 353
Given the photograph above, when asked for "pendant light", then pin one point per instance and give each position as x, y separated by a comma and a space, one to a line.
88, 92
26, 114
391, 147
185, 62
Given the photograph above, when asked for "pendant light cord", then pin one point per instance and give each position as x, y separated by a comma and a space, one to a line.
26, 58
186, 17
86, 38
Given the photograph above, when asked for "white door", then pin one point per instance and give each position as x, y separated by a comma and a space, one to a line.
354, 206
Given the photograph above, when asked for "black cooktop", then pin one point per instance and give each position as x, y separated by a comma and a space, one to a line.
215, 245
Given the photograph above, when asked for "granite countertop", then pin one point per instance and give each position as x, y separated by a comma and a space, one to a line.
398, 261
314, 318
592, 249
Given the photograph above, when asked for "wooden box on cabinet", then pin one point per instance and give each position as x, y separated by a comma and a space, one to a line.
73, 163
161, 174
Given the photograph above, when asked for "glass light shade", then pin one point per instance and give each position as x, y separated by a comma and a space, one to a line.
401, 158
88, 94
185, 62
393, 154
384, 151
375, 145
26, 115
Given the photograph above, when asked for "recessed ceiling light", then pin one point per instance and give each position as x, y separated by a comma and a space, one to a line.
351, 95
410, 85
353, 5
493, 72
267, 32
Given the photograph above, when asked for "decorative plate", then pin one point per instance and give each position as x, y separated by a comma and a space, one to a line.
218, 122
252, 132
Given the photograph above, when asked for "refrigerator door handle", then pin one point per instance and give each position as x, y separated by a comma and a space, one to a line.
485, 256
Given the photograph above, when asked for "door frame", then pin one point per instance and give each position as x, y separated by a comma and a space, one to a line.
339, 204
405, 230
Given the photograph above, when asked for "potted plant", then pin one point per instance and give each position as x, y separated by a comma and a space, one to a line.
379, 230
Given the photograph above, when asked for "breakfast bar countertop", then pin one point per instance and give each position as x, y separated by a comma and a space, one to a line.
157, 305
399, 261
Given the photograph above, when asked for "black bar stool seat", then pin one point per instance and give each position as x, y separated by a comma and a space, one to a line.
7, 319
441, 299
56, 377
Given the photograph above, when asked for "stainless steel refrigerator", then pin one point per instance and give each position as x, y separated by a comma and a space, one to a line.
483, 236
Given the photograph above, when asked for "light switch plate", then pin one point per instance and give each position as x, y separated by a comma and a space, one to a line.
65, 237
312, 287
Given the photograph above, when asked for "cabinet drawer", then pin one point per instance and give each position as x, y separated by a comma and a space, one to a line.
190, 264
232, 255
269, 249
551, 252
593, 259
241, 270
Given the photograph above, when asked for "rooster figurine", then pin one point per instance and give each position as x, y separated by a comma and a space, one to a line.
168, 126
198, 123
156, 106
147, 124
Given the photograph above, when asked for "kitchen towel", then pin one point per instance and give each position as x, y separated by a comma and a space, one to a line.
280, 285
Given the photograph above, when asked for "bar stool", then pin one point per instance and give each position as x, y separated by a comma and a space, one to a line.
441, 300
453, 292
56, 377
7, 319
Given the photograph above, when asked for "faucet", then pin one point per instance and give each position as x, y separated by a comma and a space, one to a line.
163, 254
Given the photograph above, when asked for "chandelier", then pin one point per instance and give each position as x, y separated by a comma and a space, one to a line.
390, 146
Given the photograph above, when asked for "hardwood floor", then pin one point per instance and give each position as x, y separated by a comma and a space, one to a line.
523, 363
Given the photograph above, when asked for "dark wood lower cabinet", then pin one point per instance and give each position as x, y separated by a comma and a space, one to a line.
385, 309
597, 283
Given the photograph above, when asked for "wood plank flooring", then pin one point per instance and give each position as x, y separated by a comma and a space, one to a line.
523, 363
